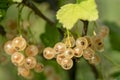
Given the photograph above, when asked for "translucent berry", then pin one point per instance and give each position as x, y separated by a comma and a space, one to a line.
49, 71
19, 43
88, 53
31, 50
54, 77
104, 31
69, 53
23, 71
69, 42
82, 42
67, 63
17, 59
90, 43
78, 52
30, 62
59, 58
94, 60
98, 43
60, 47
30, 76
8, 48
25, 24
11, 24
49, 53
39, 67
10, 35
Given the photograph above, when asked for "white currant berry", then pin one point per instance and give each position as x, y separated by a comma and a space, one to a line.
82, 42
30, 62
60, 47
78, 52
54, 77
59, 58
90, 42
8, 48
49, 53
67, 63
69, 42
98, 43
39, 67
69, 53
23, 71
19, 43
94, 60
49, 71
31, 50
104, 31
88, 53
17, 59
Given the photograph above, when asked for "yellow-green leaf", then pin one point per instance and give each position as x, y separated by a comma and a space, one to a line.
69, 14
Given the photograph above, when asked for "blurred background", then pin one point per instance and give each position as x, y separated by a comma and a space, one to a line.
109, 15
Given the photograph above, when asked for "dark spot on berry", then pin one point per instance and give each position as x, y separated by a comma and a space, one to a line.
99, 43
82, 43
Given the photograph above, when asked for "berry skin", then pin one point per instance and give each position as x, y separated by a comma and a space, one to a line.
39, 67
88, 53
69, 53
19, 43
60, 47
31, 50
98, 43
59, 58
49, 53
17, 59
82, 42
78, 52
69, 42
54, 77
67, 63
94, 60
23, 72
90, 43
49, 71
104, 31
8, 48
30, 62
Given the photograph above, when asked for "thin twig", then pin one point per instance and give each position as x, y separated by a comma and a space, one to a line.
72, 71
30, 4
85, 28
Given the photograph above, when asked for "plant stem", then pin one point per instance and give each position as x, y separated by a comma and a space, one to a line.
30, 4
85, 28
72, 71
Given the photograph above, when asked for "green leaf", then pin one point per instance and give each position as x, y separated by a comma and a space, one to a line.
69, 14
114, 35
19, 1
4, 4
51, 36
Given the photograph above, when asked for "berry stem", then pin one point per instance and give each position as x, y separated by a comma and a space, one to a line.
68, 36
19, 19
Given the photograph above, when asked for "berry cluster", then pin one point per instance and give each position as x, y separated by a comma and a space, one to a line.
23, 56
70, 48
